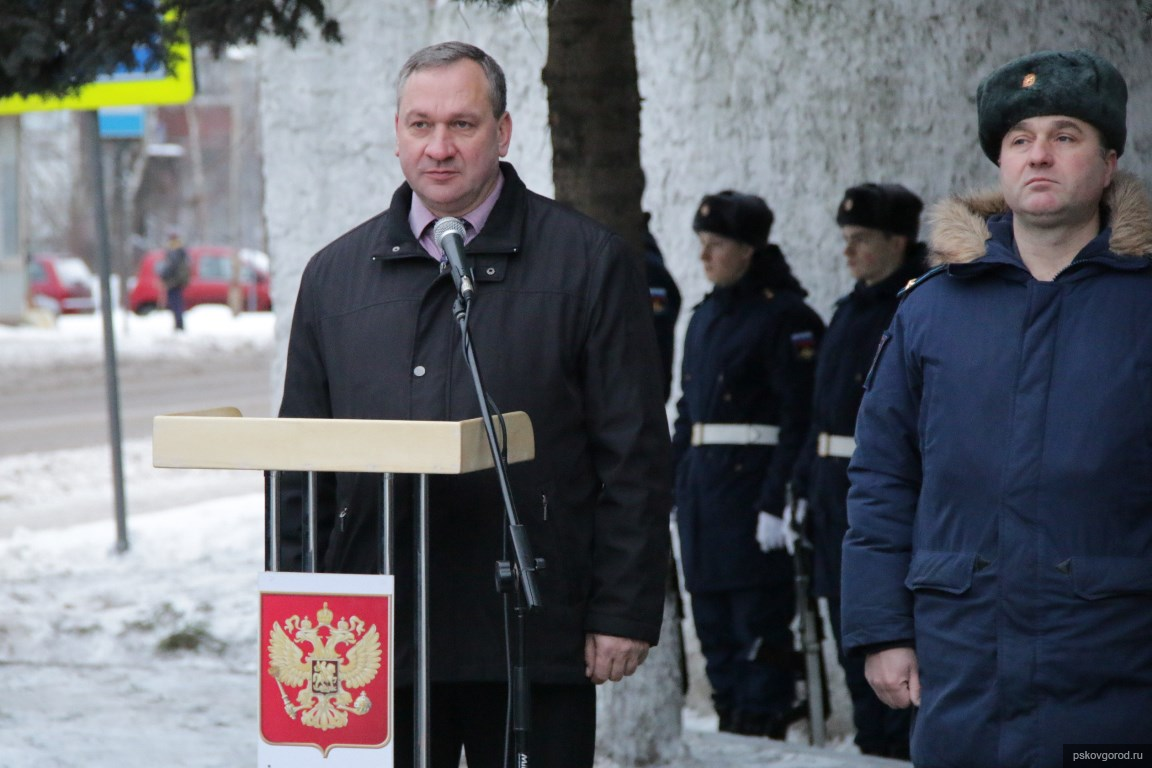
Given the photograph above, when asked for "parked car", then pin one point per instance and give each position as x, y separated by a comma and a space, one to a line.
60, 283
212, 281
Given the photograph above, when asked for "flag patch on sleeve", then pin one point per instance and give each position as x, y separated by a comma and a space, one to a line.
804, 344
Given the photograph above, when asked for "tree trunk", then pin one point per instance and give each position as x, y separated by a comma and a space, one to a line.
594, 117
594, 112
639, 719
199, 197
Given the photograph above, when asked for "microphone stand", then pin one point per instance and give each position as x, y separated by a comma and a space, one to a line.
515, 580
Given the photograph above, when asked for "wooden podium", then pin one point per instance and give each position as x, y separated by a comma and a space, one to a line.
222, 438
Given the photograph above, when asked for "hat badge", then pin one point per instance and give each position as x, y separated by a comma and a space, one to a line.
848, 203
1029, 80
705, 209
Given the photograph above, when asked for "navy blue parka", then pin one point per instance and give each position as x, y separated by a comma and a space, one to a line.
1001, 502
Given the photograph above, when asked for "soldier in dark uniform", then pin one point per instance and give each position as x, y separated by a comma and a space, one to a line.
880, 224
749, 362
665, 298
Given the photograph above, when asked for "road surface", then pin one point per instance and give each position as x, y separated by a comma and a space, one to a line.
55, 446
67, 406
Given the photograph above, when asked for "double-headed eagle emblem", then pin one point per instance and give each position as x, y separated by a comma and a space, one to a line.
324, 675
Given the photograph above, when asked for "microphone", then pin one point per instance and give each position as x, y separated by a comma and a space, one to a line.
449, 236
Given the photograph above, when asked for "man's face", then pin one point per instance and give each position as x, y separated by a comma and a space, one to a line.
872, 254
725, 260
1053, 170
448, 141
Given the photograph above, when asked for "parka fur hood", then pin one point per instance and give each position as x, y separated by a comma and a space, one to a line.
959, 225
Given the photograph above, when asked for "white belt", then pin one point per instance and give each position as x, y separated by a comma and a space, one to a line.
835, 446
735, 434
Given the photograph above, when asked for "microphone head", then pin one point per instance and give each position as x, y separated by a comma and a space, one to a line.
445, 226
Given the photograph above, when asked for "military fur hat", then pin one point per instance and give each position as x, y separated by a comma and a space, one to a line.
742, 217
1076, 83
890, 208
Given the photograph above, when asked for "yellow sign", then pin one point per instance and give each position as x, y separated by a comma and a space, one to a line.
130, 88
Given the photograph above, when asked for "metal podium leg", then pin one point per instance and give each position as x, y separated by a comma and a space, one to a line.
387, 511
310, 525
272, 525
421, 628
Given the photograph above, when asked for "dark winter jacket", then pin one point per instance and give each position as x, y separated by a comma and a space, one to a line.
846, 353
175, 271
749, 357
1001, 500
562, 329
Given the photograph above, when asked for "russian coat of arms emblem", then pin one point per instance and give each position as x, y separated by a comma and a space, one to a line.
322, 673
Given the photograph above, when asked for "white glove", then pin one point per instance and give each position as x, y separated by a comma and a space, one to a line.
794, 517
770, 532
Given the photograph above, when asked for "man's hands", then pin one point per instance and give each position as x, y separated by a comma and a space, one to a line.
612, 658
894, 675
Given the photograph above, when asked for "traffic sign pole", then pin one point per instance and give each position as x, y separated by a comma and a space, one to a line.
91, 128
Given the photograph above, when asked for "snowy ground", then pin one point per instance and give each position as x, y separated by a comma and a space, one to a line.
211, 329
142, 658
149, 657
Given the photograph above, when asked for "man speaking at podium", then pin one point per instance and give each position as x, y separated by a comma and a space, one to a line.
561, 328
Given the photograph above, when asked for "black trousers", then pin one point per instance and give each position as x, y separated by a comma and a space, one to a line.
746, 639
471, 717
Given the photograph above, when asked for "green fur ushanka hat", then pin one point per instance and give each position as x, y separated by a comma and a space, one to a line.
1076, 83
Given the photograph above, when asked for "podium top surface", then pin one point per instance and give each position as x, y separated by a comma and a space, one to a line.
221, 438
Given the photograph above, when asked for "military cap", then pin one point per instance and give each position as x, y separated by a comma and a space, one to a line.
742, 217
1075, 83
890, 208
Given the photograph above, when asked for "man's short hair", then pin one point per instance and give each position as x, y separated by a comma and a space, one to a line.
1077, 84
444, 54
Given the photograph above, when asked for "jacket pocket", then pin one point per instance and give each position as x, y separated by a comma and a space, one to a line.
1095, 578
949, 572
546, 517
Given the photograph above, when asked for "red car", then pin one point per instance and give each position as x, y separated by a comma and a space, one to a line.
60, 284
211, 282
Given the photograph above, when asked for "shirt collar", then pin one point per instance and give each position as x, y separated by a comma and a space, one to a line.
419, 217
478, 216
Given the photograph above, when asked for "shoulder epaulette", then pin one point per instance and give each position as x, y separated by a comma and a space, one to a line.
916, 281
